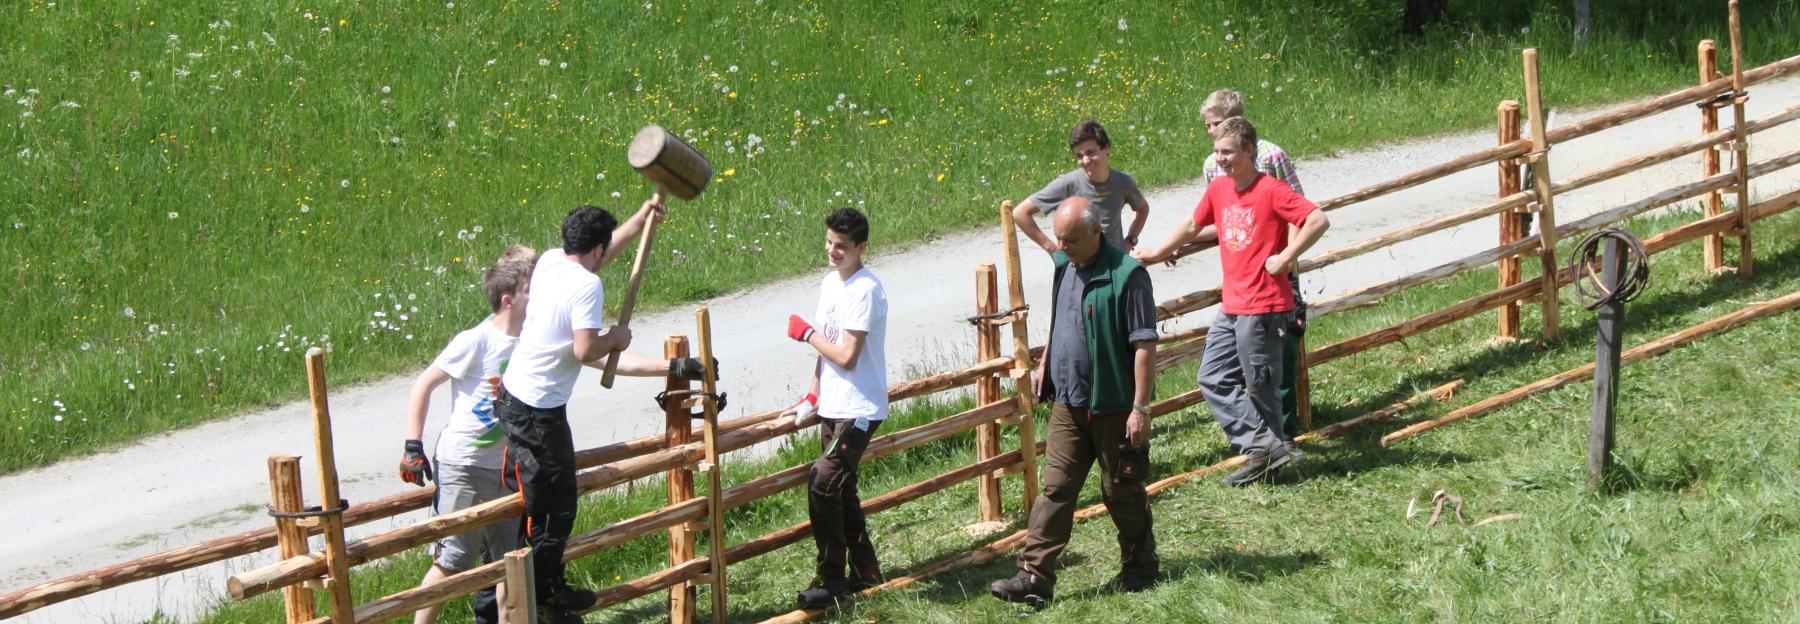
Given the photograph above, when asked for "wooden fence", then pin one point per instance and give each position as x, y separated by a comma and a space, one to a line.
676, 455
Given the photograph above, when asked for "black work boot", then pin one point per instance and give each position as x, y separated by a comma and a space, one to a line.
567, 598
823, 593
1023, 588
1132, 583
1256, 464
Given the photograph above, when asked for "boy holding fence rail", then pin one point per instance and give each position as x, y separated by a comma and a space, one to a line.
1240, 371
472, 445
1270, 159
849, 393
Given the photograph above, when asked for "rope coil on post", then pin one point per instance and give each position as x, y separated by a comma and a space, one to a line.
310, 512
1632, 280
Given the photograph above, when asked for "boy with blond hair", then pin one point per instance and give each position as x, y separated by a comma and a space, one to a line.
472, 444
1270, 159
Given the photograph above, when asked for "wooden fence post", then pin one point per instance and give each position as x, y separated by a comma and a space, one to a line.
337, 565
1714, 246
678, 429
987, 389
1512, 222
521, 587
1741, 144
1546, 196
714, 508
285, 495
1022, 364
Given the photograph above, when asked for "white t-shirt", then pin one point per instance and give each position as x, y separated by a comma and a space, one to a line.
564, 297
474, 360
858, 304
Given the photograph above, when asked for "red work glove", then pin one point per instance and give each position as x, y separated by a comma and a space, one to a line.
798, 328
414, 467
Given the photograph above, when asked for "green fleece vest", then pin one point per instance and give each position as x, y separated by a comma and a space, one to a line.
1113, 383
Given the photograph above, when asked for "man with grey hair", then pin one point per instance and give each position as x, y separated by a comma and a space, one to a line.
1099, 374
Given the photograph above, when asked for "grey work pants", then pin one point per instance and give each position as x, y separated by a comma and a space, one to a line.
1240, 375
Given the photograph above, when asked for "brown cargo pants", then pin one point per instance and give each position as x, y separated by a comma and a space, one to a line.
1076, 439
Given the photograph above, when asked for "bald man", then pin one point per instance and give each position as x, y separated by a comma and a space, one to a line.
1098, 373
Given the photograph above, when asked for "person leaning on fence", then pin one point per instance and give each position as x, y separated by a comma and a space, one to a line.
1240, 370
1094, 179
1098, 371
1272, 160
849, 393
562, 333
471, 446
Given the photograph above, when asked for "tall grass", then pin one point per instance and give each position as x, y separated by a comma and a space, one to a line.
1699, 523
193, 191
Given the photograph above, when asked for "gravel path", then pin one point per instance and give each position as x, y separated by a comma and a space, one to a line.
206, 481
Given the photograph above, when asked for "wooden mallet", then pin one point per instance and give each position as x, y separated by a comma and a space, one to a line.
677, 169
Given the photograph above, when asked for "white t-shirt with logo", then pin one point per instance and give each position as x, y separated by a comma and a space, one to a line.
565, 297
474, 361
859, 304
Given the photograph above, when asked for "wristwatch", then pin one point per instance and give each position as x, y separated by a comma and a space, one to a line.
1131, 240
1141, 409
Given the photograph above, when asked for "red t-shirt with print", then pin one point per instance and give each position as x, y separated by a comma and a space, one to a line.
1252, 226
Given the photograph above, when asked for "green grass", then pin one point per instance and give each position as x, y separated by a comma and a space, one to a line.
1701, 523
194, 191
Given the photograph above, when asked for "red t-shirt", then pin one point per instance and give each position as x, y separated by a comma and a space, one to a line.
1252, 226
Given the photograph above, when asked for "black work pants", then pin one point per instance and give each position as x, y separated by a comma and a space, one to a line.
540, 462
832, 502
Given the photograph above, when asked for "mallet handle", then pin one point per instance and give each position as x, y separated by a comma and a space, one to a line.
631, 291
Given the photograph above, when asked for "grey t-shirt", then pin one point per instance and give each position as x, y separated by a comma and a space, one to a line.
1070, 364
1110, 197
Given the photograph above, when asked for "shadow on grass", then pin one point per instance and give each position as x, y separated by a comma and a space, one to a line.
1247, 566
1645, 319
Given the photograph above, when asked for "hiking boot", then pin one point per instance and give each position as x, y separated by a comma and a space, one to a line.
1132, 583
1284, 454
1256, 465
823, 593
1022, 588
568, 598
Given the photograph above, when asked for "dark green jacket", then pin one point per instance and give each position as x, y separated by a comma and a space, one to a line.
1108, 344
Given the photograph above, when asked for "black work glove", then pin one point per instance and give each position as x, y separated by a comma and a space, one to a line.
690, 369
414, 467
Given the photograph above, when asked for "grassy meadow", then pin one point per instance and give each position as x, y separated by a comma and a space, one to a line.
195, 191
1701, 523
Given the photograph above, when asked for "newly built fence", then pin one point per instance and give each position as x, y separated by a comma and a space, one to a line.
676, 454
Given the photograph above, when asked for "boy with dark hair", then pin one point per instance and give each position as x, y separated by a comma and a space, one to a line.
1093, 178
470, 448
562, 333
1241, 370
849, 393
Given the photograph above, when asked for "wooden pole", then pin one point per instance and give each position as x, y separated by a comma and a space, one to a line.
1022, 362
1546, 198
337, 566
1742, 144
1714, 251
521, 588
638, 262
1512, 223
1647, 350
679, 430
285, 493
987, 390
714, 512
1608, 333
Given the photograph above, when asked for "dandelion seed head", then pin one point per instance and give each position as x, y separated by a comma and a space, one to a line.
174, 215
344, 183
